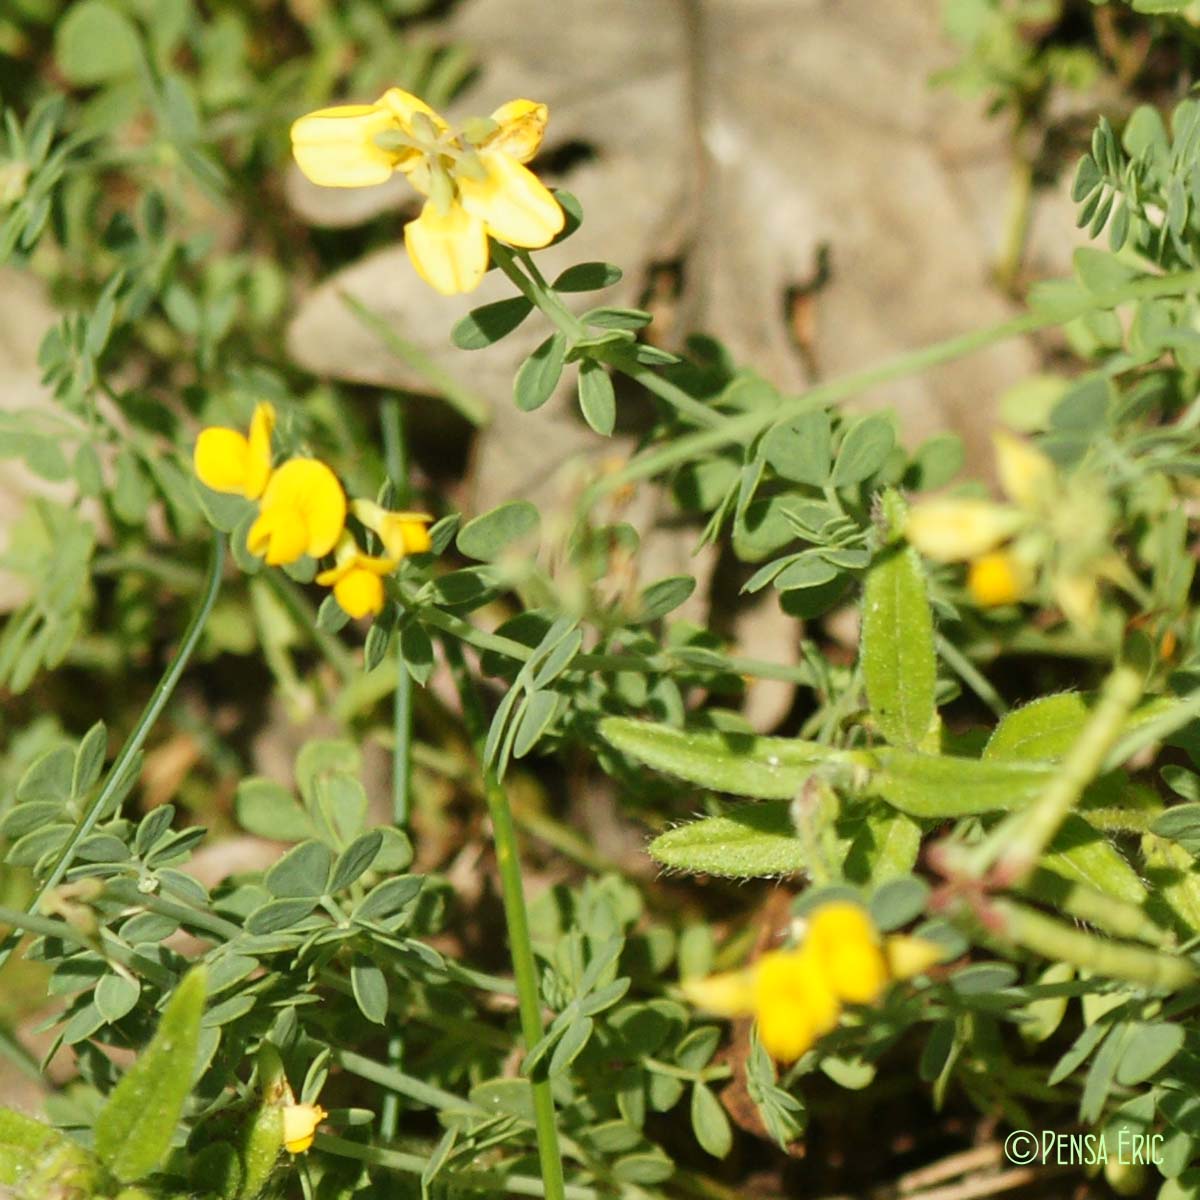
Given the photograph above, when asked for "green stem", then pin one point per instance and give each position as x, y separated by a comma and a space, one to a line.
542, 296
124, 762
494, 1183
301, 611
392, 417
400, 1084
742, 429
1055, 939
520, 946
1016, 219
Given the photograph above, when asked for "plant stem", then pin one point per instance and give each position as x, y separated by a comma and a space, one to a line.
392, 418
301, 611
542, 296
742, 429
494, 1183
125, 760
520, 947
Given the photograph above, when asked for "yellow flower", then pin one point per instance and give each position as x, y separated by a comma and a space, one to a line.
997, 578
953, 530
796, 995
475, 180
303, 510
843, 939
794, 1002
227, 461
300, 1123
402, 533
357, 579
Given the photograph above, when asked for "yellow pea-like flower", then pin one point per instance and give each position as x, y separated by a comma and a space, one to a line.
228, 461
796, 996
300, 1123
1027, 476
476, 180
303, 511
794, 1002
997, 578
402, 533
357, 579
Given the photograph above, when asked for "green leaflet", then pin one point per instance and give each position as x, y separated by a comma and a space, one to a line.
885, 847
1085, 855
740, 764
933, 785
750, 841
1047, 728
897, 647
134, 1129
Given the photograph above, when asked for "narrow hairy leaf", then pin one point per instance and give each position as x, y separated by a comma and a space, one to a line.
897, 647
738, 763
134, 1129
749, 842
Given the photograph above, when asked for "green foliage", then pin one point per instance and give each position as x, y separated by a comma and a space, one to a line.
344, 968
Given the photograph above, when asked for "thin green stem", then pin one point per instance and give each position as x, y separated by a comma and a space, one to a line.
400, 1084
966, 670
520, 947
392, 418
542, 296
301, 611
126, 758
742, 429
494, 1183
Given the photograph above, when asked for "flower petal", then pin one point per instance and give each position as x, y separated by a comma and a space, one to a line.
517, 207
278, 535
450, 251
335, 147
221, 458
404, 106
522, 126
258, 458
307, 490
359, 592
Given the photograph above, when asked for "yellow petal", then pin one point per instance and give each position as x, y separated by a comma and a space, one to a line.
335, 147
307, 491
998, 578
955, 530
220, 459
279, 536
300, 1123
404, 106
842, 939
730, 994
516, 206
793, 1003
1027, 476
450, 251
359, 592
258, 458
909, 956
522, 126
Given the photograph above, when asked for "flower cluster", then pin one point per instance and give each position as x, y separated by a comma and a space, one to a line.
475, 180
1048, 524
797, 995
302, 510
